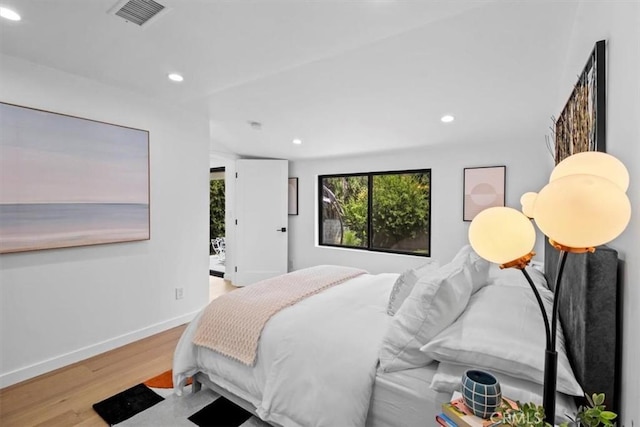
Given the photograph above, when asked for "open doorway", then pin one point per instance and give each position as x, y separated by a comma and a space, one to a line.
217, 246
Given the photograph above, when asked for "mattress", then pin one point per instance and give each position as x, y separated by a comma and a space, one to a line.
403, 398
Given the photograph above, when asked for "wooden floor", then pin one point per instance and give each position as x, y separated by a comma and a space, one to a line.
219, 286
64, 397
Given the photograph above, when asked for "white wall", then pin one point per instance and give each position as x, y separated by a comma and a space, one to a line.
63, 305
619, 23
448, 231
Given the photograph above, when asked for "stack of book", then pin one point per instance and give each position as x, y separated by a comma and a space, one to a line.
457, 414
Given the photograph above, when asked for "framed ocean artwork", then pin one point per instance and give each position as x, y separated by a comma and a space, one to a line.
67, 181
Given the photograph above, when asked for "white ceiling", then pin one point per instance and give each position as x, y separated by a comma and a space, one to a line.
345, 76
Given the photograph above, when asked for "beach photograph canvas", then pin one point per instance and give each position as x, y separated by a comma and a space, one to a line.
67, 181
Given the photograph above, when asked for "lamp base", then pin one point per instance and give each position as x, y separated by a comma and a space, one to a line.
549, 392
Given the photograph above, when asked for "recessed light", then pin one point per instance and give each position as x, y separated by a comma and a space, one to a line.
297, 141
446, 119
176, 77
9, 14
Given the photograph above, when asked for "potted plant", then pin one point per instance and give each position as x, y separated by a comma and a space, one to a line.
594, 414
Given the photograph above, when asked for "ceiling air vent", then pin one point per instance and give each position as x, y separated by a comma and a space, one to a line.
137, 11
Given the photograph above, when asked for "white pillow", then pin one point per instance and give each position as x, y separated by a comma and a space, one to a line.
477, 268
514, 277
502, 330
405, 283
436, 300
447, 380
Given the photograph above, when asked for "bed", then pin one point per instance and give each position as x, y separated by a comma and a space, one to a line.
340, 358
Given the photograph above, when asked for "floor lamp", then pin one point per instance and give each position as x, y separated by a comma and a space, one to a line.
584, 205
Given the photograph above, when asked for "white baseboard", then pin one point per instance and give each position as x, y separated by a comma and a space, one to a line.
63, 360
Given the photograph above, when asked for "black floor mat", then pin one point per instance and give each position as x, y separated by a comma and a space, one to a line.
126, 404
220, 413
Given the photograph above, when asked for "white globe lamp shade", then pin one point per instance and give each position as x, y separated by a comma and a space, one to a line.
528, 201
502, 235
582, 211
593, 163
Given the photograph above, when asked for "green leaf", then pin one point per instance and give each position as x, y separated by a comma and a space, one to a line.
591, 412
598, 399
608, 415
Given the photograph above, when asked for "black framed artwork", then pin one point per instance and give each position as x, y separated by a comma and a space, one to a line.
581, 125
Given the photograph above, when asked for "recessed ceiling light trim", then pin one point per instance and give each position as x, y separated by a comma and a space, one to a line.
9, 14
175, 77
447, 118
297, 141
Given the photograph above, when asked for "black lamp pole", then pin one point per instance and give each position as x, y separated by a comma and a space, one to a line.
551, 355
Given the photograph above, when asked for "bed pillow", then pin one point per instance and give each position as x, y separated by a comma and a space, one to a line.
514, 277
447, 380
502, 330
476, 268
405, 283
436, 300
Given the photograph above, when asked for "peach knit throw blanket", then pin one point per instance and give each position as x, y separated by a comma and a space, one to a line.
232, 323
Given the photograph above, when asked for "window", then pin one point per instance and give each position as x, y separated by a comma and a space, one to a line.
378, 211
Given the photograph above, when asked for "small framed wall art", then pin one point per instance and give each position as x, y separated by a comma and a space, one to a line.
293, 196
484, 187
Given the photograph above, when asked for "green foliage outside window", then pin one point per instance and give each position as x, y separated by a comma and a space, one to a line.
351, 193
399, 215
216, 209
400, 208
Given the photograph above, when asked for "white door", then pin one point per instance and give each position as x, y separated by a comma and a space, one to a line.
261, 214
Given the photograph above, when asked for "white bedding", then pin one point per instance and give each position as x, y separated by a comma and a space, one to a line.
316, 360
404, 398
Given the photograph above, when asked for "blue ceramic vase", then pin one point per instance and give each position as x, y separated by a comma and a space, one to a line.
481, 392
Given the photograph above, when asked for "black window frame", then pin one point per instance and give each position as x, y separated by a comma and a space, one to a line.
370, 176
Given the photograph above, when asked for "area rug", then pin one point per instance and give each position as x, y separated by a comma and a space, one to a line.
153, 403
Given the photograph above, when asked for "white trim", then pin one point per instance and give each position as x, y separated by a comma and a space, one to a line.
83, 353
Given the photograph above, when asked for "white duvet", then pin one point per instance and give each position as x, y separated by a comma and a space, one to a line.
316, 360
